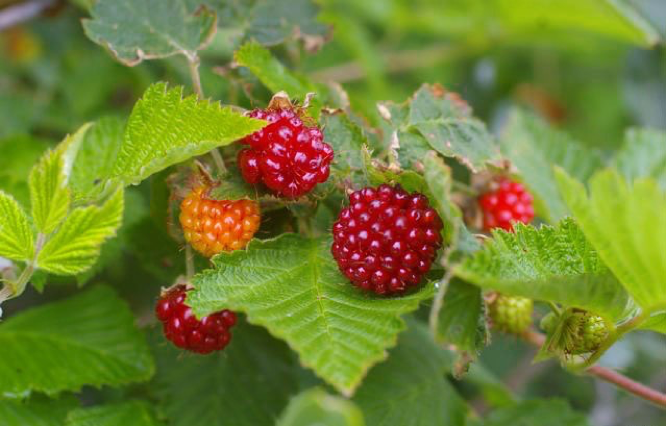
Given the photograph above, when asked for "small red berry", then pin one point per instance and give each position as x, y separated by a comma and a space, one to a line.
510, 202
210, 333
289, 157
386, 240
212, 226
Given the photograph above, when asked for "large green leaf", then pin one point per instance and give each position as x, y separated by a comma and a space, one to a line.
316, 407
551, 412
410, 388
445, 123
291, 285
95, 159
643, 155
134, 30
131, 413
555, 264
16, 236
461, 320
165, 128
626, 224
347, 140
88, 339
534, 147
36, 411
269, 22
248, 384
76, 245
271, 72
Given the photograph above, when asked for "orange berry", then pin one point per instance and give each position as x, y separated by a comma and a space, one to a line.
212, 226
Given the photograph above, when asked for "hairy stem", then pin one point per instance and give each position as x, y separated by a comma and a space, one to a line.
193, 63
189, 262
219, 161
610, 376
438, 302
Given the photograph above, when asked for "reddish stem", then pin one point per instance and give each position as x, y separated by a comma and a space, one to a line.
619, 380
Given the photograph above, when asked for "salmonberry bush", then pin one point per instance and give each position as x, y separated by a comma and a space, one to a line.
344, 213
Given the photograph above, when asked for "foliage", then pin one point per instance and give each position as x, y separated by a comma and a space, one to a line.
553, 109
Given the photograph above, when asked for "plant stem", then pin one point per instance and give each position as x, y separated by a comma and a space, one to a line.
619, 380
555, 308
219, 161
189, 262
193, 63
439, 301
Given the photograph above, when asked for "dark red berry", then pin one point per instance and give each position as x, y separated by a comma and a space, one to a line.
287, 156
507, 203
387, 239
210, 333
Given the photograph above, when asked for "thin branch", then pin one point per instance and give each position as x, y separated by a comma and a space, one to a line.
193, 64
14, 15
189, 262
219, 161
608, 375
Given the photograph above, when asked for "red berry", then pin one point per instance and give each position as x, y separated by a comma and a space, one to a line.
510, 202
210, 333
212, 226
289, 157
386, 240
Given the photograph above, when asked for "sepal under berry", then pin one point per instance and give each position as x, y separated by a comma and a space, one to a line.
510, 314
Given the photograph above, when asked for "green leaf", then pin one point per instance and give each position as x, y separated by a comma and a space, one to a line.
411, 388
88, 339
95, 159
626, 224
37, 411
533, 148
439, 180
643, 155
272, 73
554, 264
347, 140
19, 153
131, 413
461, 320
76, 245
149, 29
291, 285
445, 123
551, 412
316, 407
165, 128
16, 236
247, 384
657, 322
495, 392
49, 195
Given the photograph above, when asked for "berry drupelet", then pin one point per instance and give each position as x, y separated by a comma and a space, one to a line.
212, 226
210, 333
510, 202
511, 314
387, 239
289, 157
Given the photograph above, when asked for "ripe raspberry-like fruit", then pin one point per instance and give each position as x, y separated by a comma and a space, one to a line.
289, 157
210, 333
510, 314
584, 332
212, 226
508, 203
386, 240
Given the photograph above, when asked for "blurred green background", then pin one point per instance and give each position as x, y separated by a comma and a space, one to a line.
584, 68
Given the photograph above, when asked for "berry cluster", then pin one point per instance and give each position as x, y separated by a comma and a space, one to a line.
212, 226
210, 333
585, 333
508, 203
386, 240
289, 157
510, 314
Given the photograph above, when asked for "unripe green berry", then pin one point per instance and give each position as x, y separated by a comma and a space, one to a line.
549, 322
511, 314
585, 333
